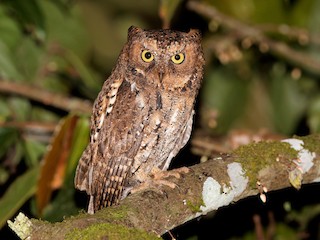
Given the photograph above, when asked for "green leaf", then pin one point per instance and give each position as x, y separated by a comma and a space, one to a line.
30, 16
20, 107
28, 49
10, 32
61, 206
314, 115
79, 143
8, 136
33, 151
59, 23
288, 101
223, 95
4, 175
4, 110
17, 194
8, 69
81, 68
43, 115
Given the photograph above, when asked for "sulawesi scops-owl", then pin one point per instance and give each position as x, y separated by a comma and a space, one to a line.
143, 115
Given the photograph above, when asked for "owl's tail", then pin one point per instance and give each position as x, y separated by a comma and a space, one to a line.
106, 184
110, 185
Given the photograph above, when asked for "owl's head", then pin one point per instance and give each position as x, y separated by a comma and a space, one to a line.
166, 59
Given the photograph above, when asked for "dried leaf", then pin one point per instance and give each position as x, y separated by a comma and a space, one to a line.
54, 163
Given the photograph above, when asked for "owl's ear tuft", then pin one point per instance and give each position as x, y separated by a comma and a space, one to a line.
132, 31
195, 34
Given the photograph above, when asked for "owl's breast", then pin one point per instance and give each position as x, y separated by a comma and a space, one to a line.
164, 128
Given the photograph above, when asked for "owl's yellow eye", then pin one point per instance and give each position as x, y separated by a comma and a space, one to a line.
178, 58
147, 56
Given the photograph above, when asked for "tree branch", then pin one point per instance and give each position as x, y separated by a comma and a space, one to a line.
207, 187
39, 131
301, 35
257, 36
48, 98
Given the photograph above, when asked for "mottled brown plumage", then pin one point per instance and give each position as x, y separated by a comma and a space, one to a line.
143, 115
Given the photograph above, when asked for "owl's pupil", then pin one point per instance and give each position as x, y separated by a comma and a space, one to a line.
177, 57
148, 55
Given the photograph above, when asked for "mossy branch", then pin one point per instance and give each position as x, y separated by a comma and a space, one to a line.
208, 186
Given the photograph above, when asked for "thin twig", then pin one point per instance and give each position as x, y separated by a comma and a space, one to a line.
39, 131
48, 98
30, 126
302, 35
258, 37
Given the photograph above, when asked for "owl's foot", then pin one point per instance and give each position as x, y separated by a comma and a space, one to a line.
157, 179
160, 176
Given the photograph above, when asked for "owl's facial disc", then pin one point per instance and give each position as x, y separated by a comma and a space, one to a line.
170, 66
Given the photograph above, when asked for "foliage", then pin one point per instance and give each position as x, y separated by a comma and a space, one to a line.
264, 86
267, 78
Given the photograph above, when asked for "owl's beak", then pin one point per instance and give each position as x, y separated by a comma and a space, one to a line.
160, 74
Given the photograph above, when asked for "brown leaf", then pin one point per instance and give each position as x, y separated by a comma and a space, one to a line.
52, 171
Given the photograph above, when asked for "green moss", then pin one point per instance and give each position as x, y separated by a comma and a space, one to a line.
195, 207
311, 142
256, 156
118, 212
109, 231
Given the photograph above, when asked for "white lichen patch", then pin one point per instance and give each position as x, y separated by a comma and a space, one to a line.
238, 180
22, 226
305, 157
214, 195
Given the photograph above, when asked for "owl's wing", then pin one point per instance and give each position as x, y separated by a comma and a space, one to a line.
115, 139
117, 148
101, 109
81, 180
186, 132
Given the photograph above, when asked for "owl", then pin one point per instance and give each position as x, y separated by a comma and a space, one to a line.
143, 114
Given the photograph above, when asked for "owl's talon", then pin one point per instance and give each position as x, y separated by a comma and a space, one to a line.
159, 175
166, 183
157, 179
154, 186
